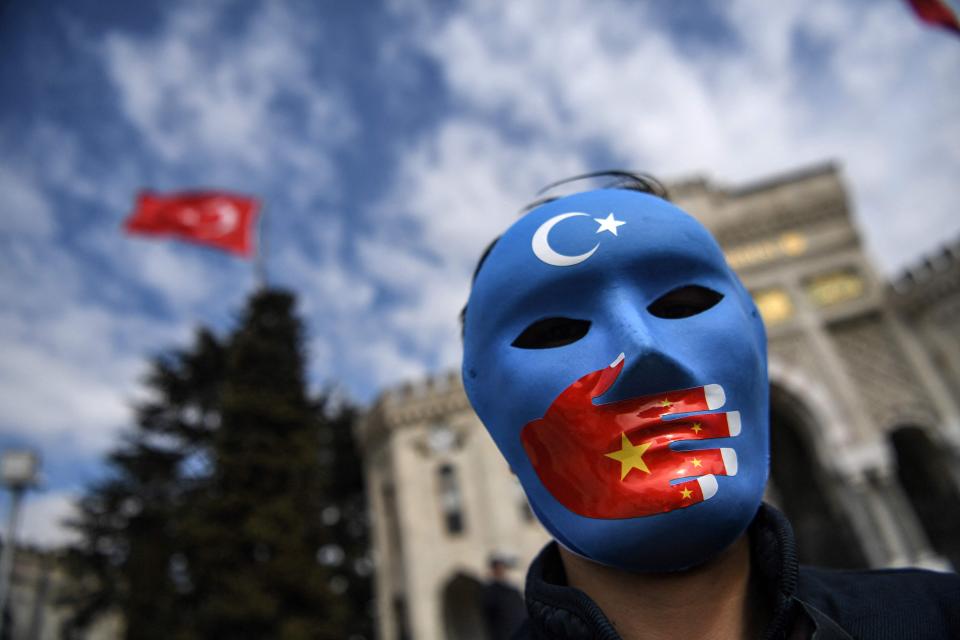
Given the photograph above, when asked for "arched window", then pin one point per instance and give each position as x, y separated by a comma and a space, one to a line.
451, 501
925, 471
392, 516
462, 612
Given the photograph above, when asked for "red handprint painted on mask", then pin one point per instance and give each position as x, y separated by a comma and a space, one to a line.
614, 460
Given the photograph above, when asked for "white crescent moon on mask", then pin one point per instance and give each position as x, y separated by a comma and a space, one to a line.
543, 250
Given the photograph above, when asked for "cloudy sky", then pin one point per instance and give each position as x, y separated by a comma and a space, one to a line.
390, 143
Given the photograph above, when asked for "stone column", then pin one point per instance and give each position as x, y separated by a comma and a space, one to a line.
921, 553
851, 406
885, 521
885, 543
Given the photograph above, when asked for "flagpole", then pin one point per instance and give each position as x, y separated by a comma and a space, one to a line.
259, 264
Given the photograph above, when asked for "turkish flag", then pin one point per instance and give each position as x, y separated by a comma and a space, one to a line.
214, 218
614, 460
937, 12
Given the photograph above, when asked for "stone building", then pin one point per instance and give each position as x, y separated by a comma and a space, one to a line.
865, 424
35, 610
927, 301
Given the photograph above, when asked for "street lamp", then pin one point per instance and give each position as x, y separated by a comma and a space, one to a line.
18, 472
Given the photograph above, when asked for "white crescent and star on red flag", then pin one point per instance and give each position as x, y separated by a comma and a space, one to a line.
219, 219
210, 219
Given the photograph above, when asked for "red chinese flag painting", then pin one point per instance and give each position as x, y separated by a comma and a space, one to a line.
942, 13
214, 218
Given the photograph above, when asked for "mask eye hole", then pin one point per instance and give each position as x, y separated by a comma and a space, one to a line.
552, 332
684, 302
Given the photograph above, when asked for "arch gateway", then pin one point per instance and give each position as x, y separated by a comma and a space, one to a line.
865, 422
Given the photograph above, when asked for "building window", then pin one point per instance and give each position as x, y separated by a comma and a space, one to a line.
774, 305
392, 516
451, 502
835, 287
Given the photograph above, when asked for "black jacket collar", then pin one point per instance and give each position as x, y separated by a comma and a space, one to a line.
559, 612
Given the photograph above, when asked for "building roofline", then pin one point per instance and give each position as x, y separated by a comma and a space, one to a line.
927, 267
805, 173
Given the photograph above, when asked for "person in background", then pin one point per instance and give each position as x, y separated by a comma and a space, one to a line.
620, 366
503, 607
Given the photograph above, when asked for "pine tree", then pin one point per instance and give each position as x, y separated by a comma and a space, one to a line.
235, 508
344, 515
129, 543
257, 536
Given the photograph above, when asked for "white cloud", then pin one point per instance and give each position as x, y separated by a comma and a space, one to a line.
74, 342
390, 313
73, 347
43, 516
58, 398
455, 192
69, 373
464, 182
242, 112
539, 85
384, 362
882, 101
188, 278
198, 97
539, 90
24, 209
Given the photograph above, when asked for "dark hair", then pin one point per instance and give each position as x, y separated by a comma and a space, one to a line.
620, 179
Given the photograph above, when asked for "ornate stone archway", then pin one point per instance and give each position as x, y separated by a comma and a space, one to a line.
806, 489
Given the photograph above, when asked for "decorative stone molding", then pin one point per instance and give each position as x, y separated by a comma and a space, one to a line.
830, 438
882, 373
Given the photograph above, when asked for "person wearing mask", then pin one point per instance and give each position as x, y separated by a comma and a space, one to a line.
620, 366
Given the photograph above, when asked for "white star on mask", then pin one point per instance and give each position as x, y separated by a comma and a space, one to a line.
609, 224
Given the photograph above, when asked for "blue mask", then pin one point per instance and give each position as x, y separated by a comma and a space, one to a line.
620, 366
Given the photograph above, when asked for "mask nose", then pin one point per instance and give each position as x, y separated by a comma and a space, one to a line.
651, 364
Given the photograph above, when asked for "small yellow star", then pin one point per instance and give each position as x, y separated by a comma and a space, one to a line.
666, 403
686, 493
629, 456
696, 427
695, 462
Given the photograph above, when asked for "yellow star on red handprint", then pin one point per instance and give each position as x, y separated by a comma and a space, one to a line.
629, 456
